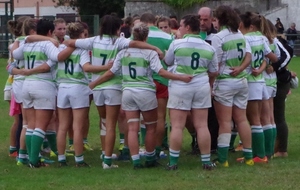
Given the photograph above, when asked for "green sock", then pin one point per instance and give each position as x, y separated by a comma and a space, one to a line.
36, 143
258, 141
223, 147
274, 138
28, 137
22, 153
174, 155
12, 149
51, 136
143, 135
45, 143
247, 153
71, 142
268, 133
165, 139
157, 150
232, 139
150, 156
125, 151
122, 136
136, 160
222, 154
108, 160
205, 158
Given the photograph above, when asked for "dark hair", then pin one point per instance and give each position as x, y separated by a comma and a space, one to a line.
246, 19
193, 21
173, 17
75, 29
257, 20
148, 18
29, 24
114, 14
15, 26
237, 11
109, 25
44, 26
128, 21
174, 24
84, 24
227, 17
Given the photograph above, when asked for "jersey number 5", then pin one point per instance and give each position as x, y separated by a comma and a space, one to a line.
239, 47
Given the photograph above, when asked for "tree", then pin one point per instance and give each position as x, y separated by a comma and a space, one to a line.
182, 4
92, 7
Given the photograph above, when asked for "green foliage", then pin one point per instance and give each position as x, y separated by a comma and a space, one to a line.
95, 7
70, 3
182, 4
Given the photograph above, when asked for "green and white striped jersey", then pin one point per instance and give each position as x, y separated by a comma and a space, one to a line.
271, 79
192, 56
137, 66
104, 50
162, 40
231, 48
36, 54
20, 63
70, 71
259, 49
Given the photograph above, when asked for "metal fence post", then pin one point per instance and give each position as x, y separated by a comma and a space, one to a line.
96, 25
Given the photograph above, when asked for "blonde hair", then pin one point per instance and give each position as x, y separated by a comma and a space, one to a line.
75, 29
29, 24
58, 21
140, 32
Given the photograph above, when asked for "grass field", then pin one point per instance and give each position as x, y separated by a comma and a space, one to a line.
280, 173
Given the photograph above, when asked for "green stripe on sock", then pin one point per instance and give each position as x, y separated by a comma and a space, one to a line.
223, 154
258, 141
36, 143
247, 153
268, 134
143, 136
107, 160
52, 141
174, 155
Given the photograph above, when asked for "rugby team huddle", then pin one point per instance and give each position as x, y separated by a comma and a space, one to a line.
134, 80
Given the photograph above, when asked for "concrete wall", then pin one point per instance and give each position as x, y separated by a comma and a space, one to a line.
287, 13
155, 7
158, 8
292, 14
